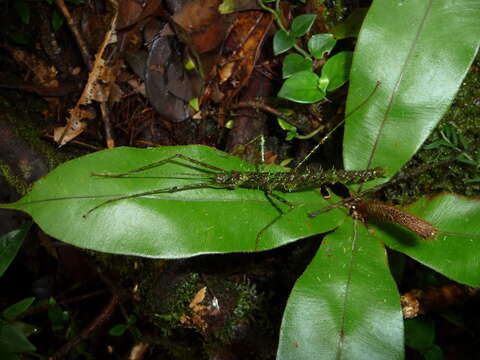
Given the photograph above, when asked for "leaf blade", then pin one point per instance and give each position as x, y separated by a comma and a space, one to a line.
166, 225
412, 96
345, 305
453, 256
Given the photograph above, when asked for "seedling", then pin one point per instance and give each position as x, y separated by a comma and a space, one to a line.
302, 84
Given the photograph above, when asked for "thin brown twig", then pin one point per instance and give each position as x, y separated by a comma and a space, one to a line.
82, 45
104, 315
87, 59
262, 106
79, 143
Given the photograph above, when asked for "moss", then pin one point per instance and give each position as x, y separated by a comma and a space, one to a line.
14, 181
457, 136
28, 123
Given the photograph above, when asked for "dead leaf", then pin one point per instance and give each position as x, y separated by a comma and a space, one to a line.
199, 296
203, 23
169, 85
98, 89
199, 311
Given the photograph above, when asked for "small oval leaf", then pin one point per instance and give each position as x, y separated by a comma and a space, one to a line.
282, 42
337, 69
321, 44
294, 63
302, 87
302, 24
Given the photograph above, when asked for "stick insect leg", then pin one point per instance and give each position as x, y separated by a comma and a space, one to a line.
331, 207
151, 192
160, 163
281, 214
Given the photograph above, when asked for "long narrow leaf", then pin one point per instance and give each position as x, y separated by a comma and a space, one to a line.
457, 255
10, 243
419, 51
170, 223
345, 305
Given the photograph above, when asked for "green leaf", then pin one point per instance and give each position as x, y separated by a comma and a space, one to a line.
167, 224
226, 7
351, 26
23, 10
294, 63
291, 130
194, 103
302, 87
455, 256
345, 305
323, 83
57, 20
302, 24
18, 308
118, 330
321, 44
434, 353
419, 51
10, 243
282, 42
337, 69
419, 333
9, 356
13, 340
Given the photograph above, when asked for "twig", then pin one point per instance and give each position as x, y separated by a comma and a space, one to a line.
82, 45
79, 143
85, 334
104, 315
262, 106
87, 59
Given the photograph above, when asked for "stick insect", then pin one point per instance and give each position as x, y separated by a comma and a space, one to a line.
366, 209
268, 182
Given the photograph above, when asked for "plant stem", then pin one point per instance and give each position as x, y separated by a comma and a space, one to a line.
278, 20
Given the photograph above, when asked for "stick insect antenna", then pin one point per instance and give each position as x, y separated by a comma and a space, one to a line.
322, 141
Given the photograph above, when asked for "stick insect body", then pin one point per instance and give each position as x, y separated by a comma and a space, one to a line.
265, 181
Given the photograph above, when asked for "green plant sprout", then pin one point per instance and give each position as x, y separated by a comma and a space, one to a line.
303, 85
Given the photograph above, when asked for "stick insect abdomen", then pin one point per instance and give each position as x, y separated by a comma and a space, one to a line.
294, 180
376, 210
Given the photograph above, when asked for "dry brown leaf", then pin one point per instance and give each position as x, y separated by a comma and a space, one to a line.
98, 89
199, 297
199, 311
43, 73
